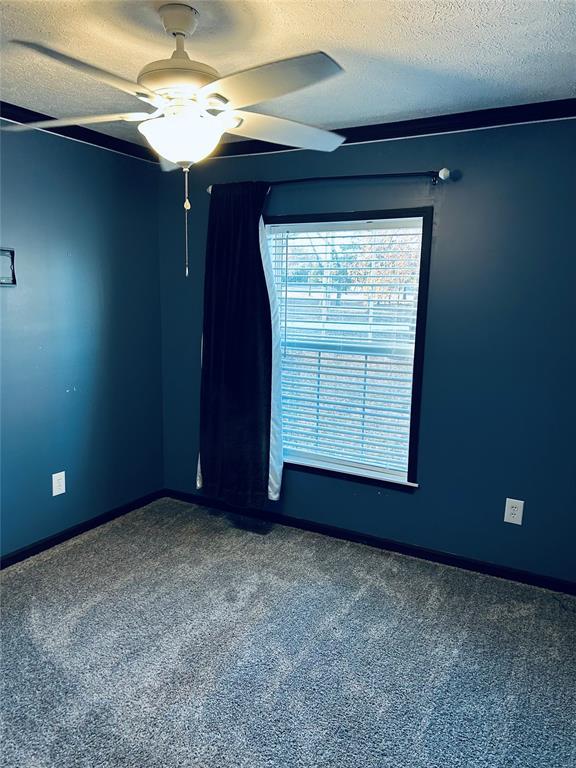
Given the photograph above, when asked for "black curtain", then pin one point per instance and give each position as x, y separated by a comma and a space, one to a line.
237, 350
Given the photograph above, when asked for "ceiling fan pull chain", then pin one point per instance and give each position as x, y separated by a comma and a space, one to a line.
186, 210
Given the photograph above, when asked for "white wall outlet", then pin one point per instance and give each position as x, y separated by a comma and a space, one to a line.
513, 511
58, 483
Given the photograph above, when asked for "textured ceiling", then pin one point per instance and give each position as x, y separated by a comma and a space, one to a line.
402, 59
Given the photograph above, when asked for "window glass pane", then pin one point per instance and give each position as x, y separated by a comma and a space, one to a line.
348, 293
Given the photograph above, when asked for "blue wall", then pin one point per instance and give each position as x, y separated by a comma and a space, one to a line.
85, 357
81, 379
498, 415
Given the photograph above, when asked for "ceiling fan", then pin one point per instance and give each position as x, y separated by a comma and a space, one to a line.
193, 106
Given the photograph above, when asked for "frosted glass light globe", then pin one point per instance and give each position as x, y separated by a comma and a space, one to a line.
184, 137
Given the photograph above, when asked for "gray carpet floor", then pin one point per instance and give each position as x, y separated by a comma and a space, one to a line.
175, 636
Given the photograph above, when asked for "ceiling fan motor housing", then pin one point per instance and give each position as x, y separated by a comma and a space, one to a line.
176, 77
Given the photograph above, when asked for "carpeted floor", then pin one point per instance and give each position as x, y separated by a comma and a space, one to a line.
176, 636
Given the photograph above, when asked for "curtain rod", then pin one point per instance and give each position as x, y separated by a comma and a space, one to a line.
435, 176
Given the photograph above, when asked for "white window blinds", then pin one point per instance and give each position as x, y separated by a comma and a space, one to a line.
348, 295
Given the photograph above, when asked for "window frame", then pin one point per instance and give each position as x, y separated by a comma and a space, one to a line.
426, 213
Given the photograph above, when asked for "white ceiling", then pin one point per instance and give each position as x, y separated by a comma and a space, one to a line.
402, 58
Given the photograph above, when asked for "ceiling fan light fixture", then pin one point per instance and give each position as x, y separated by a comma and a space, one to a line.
184, 138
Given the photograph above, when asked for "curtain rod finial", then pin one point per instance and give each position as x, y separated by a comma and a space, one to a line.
209, 189
444, 174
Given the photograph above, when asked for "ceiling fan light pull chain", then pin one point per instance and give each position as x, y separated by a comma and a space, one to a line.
186, 201
186, 211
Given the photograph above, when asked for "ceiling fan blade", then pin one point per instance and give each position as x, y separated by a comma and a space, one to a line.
280, 131
88, 69
84, 120
268, 81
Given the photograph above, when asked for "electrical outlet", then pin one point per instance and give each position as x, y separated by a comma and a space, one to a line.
58, 483
513, 511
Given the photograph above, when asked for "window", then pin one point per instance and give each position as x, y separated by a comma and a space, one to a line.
352, 303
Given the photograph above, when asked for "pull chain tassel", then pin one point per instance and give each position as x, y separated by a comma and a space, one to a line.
186, 210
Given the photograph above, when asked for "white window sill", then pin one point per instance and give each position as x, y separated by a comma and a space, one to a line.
357, 471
